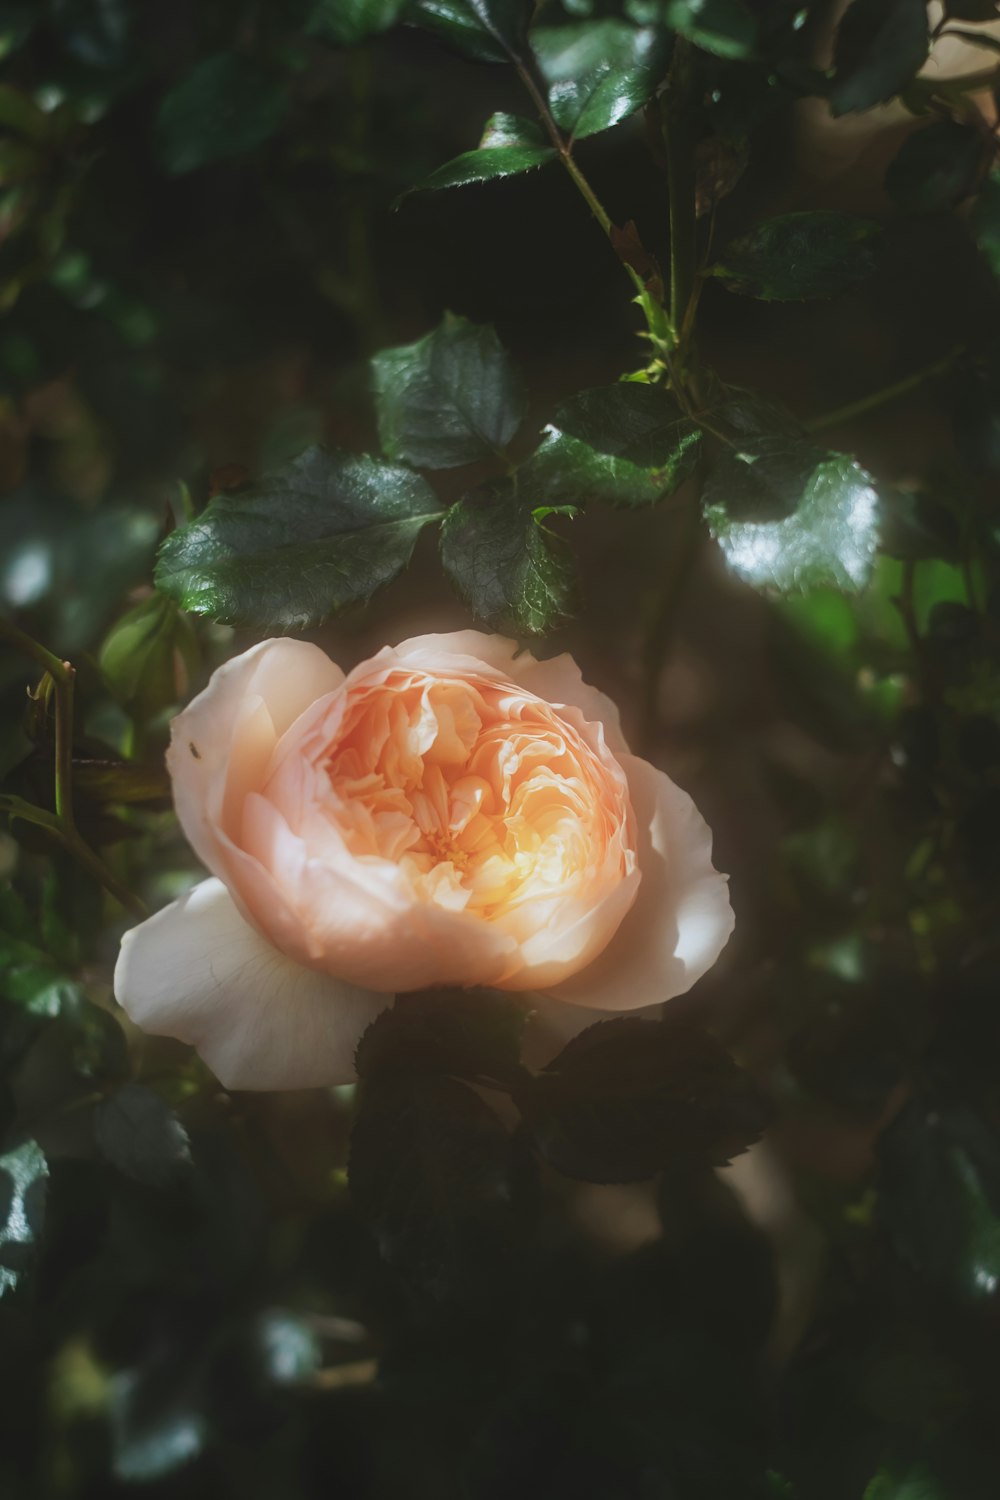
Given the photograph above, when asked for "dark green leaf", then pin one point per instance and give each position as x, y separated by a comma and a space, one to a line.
141, 1136
939, 1196
488, 30
451, 398
430, 1169
29, 975
937, 167
508, 566
94, 31
227, 105
23, 1178
905, 1481
347, 23
624, 444
880, 46
467, 1033
322, 532
628, 1098
985, 221
598, 72
725, 27
786, 514
509, 145
971, 10
799, 256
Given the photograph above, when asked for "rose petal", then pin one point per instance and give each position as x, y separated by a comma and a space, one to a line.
197, 971
681, 919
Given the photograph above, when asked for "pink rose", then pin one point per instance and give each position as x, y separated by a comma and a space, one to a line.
450, 813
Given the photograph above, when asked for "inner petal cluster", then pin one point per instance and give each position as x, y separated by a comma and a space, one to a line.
486, 798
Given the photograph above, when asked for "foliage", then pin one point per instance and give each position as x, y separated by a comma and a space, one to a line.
282, 348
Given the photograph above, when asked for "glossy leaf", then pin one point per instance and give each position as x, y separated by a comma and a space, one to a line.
23, 1180
451, 398
626, 444
506, 563
937, 167
726, 28
630, 1097
347, 23
598, 73
322, 532
227, 105
509, 145
141, 1136
880, 46
799, 256
430, 1170
487, 30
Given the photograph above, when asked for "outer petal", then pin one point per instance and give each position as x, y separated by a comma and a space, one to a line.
221, 743
557, 680
681, 920
197, 971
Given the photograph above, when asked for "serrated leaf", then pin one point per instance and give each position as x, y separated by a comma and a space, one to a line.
488, 30
141, 1136
227, 105
465, 1033
509, 145
626, 444
726, 28
788, 515
937, 167
451, 398
511, 570
598, 72
628, 1098
23, 1177
430, 1169
799, 256
880, 46
318, 534
347, 23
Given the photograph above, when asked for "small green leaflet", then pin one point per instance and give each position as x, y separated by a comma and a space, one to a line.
488, 30
346, 23
228, 104
880, 47
23, 1178
509, 145
985, 222
798, 256
451, 398
318, 534
937, 167
625, 444
725, 27
598, 72
511, 570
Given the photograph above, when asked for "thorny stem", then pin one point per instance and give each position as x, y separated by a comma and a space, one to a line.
888, 393
680, 185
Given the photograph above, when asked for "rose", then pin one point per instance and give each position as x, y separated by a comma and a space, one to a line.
449, 813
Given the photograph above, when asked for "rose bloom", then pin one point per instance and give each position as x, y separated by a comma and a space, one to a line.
449, 813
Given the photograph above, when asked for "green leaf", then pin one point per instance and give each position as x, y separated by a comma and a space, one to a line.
347, 23
23, 1177
148, 654
487, 30
314, 536
798, 256
465, 1033
598, 72
509, 145
94, 31
141, 1136
937, 167
451, 398
725, 27
905, 1482
510, 569
227, 105
786, 514
880, 47
939, 1197
29, 976
430, 1169
625, 444
628, 1098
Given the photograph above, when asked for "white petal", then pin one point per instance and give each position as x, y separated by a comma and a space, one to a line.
681, 919
197, 971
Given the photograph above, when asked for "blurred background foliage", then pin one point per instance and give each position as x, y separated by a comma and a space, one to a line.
208, 227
